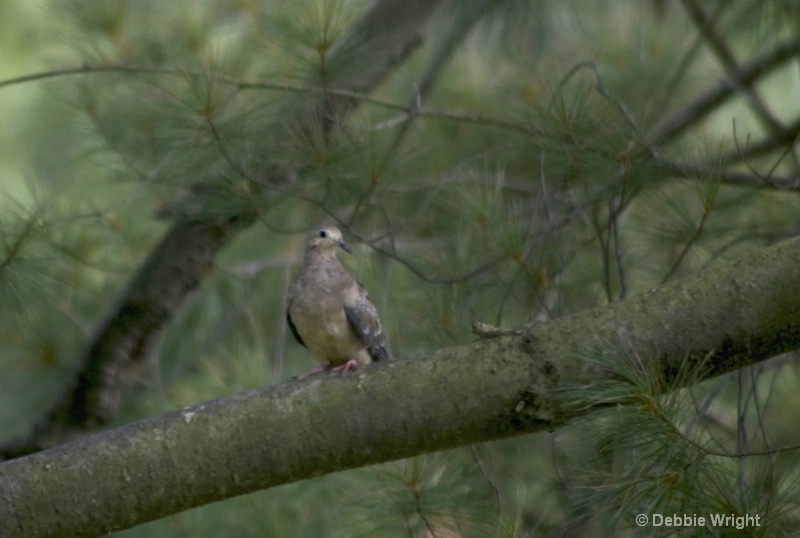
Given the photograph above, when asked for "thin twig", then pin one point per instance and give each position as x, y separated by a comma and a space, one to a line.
689, 243
788, 137
495, 490
739, 454
408, 112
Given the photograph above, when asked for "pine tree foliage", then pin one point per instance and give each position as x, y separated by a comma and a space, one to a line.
662, 450
519, 161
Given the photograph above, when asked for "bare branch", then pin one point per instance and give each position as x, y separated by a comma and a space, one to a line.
730, 177
724, 54
701, 107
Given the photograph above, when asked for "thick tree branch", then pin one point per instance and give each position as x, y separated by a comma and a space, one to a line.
738, 314
381, 40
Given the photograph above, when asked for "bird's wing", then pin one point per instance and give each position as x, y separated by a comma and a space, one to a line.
363, 317
289, 296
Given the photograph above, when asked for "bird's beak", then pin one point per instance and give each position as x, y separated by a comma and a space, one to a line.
344, 246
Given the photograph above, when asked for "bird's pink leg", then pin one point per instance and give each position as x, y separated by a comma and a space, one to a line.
313, 371
352, 364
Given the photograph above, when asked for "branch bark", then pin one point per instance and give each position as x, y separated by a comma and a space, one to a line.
377, 44
738, 314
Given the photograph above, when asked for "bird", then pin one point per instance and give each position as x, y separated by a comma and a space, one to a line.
329, 312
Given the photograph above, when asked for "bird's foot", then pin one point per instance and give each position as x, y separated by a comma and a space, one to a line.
313, 371
352, 364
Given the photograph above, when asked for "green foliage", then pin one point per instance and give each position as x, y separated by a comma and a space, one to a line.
659, 449
510, 171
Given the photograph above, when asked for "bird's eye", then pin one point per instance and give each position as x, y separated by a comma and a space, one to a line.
323, 233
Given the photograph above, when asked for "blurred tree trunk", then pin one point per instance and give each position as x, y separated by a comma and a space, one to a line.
378, 43
500, 386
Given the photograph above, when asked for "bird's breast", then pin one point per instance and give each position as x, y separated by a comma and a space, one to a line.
324, 328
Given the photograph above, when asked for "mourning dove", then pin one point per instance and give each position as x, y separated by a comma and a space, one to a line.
329, 311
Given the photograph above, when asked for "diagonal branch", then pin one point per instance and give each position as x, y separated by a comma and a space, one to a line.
501, 386
704, 105
725, 56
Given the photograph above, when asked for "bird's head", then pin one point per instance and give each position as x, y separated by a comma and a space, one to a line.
325, 239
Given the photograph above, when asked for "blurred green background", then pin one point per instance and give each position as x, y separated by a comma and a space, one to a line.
531, 185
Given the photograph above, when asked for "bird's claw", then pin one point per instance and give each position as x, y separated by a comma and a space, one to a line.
352, 364
313, 371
